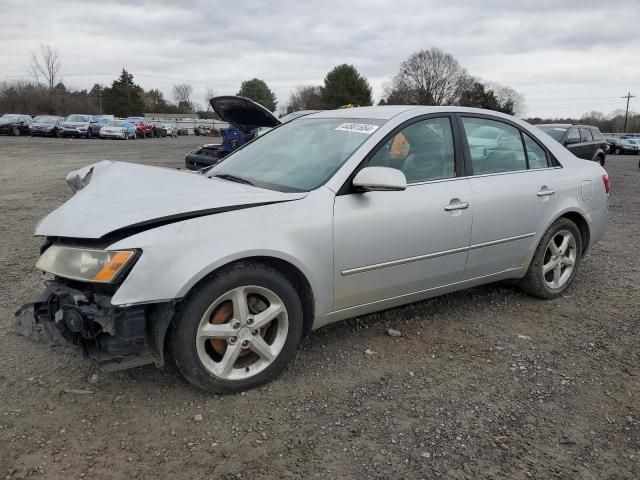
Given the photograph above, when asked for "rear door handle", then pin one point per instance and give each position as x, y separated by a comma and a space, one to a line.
545, 192
457, 206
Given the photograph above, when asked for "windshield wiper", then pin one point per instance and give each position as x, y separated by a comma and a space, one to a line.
233, 178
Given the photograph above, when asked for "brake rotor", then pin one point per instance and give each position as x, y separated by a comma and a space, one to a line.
223, 313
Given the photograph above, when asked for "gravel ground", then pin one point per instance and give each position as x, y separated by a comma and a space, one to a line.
486, 383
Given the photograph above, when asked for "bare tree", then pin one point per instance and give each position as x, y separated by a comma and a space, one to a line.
182, 95
209, 93
507, 95
304, 97
428, 77
45, 64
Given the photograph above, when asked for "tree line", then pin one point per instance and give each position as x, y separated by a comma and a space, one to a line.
427, 77
608, 123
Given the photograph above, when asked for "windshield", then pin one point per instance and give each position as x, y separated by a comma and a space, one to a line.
78, 118
47, 120
297, 156
116, 123
556, 132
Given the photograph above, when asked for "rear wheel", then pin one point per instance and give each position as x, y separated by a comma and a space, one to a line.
555, 262
238, 330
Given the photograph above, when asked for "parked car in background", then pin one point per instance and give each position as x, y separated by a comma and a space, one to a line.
80, 125
623, 146
206, 131
121, 129
144, 129
15, 124
45, 125
320, 220
584, 141
170, 130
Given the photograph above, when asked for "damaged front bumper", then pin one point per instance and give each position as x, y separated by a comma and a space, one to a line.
116, 337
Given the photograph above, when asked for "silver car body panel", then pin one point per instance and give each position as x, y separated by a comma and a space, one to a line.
360, 252
126, 194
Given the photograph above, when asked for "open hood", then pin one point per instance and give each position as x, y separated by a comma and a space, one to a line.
243, 113
118, 196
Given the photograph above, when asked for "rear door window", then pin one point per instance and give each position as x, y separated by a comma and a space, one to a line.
495, 147
585, 135
573, 136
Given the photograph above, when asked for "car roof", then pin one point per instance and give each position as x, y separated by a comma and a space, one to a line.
564, 125
386, 112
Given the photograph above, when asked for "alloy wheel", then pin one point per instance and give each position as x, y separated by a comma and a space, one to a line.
242, 332
559, 259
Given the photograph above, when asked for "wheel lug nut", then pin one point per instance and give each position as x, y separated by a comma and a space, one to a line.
236, 325
255, 332
233, 340
249, 321
245, 344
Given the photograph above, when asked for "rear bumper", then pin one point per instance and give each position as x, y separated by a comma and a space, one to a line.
116, 337
597, 220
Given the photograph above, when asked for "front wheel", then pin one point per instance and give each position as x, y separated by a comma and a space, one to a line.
238, 330
126, 135
555, 262
618, 151
600, 160
16, 131
88, 134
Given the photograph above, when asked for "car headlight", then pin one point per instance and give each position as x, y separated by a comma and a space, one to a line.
84, 264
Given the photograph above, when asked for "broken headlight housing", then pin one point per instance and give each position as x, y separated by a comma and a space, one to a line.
83, 264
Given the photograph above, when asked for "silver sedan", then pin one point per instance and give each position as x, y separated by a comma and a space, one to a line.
335, 215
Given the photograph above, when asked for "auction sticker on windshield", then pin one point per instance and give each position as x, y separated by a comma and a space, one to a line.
357, 128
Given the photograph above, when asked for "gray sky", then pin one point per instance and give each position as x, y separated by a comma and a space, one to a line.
565, 56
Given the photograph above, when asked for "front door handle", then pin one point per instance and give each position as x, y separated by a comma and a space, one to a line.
457, 206
546, 192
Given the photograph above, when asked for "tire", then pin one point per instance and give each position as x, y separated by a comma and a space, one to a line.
600, 160
16, 131
88, 134
126, 136
543, 285
618, 151
202, 361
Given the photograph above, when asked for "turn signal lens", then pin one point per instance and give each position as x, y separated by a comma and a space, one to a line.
113, 266
607, 182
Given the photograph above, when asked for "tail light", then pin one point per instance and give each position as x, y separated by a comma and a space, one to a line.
607, 182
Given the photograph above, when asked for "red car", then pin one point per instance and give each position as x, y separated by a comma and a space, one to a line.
144, 129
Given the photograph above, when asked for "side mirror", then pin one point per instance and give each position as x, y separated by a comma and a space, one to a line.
377, 179
569, 141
